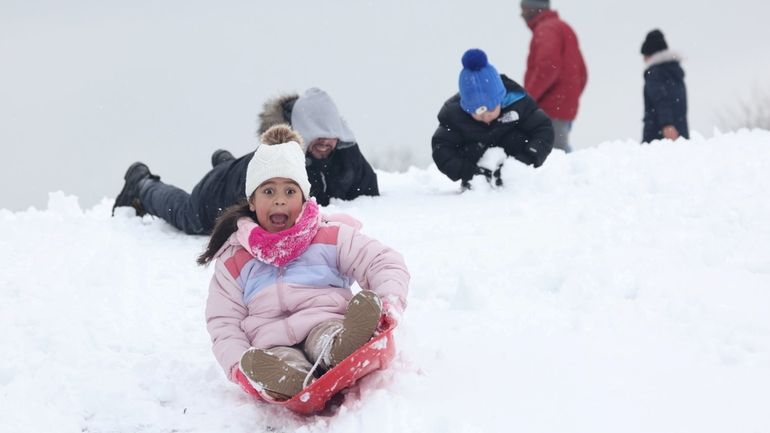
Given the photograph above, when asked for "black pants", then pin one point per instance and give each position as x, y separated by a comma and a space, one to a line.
197, 212
174, 205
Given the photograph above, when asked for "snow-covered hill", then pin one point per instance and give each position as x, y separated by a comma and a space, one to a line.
618, 288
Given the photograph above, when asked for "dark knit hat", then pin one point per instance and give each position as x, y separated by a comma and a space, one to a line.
481, 88
537, 4
653, 43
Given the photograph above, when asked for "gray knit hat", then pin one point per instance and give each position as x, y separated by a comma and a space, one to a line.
315, 116
537, 4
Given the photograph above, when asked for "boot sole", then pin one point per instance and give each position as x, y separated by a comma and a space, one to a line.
358, 326
266, 371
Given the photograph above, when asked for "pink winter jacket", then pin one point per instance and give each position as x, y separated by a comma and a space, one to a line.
254, 304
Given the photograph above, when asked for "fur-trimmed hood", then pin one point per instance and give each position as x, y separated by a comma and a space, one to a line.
663, 57
275, 111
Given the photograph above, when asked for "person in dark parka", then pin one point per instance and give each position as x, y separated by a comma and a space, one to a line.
665, 94
491, 110
335, 165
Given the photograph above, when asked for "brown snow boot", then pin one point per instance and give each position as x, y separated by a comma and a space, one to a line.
278, 372
358, 326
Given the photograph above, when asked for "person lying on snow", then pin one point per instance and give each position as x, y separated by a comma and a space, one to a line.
280, 304
334, 163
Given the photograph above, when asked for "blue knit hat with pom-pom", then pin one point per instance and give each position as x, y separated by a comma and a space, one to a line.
481, 88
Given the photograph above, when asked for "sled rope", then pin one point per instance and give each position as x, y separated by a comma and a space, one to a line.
324, 355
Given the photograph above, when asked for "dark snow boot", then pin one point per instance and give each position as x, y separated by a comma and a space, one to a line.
129, 195
358, 326
219, 156
269, 374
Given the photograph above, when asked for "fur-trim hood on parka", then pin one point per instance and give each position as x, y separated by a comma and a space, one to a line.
276, 111
663, 57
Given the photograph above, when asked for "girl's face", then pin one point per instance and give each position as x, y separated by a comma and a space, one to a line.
277, 203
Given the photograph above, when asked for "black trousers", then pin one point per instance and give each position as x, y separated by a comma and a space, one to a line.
174, 205
196, 213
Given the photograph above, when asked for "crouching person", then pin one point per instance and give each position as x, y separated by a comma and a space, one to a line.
491, 110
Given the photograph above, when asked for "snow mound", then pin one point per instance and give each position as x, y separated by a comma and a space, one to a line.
618, 288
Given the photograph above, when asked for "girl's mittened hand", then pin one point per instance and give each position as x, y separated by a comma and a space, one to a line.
243, 382
392, 307
234, 372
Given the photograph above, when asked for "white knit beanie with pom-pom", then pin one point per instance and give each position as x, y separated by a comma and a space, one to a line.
279, 155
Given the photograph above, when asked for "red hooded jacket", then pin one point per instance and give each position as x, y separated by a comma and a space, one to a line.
556, 73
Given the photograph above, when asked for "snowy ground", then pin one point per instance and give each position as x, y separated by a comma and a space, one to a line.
621, 288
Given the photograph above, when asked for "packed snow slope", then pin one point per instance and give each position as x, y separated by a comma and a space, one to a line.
621, 288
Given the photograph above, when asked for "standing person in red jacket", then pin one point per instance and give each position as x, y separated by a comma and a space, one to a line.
556, 73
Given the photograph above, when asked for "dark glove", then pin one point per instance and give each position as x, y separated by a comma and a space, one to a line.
493, 177
485, 171
496, 176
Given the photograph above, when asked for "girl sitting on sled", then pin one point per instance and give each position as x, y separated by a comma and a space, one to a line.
280, 309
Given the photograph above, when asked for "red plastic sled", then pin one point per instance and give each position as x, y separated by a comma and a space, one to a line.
372, 356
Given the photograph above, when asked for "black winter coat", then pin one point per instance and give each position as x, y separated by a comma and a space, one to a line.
345, 174
665, 100
222, 187
523, 130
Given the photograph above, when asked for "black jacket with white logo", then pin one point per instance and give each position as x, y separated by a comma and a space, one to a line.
523, 130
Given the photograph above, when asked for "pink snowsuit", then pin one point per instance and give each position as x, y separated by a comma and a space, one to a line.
255, 304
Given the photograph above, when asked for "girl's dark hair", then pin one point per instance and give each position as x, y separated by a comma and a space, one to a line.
226, 224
